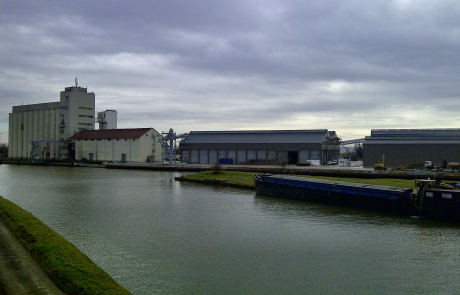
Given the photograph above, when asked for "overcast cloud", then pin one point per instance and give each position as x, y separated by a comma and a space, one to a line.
347, 66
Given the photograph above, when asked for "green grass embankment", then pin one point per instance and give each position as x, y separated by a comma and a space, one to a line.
229, 178
245, 179
70, 270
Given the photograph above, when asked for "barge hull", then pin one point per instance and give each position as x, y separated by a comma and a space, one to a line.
436, 204
376, 198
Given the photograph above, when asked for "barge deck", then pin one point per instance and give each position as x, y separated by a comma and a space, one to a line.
427, 199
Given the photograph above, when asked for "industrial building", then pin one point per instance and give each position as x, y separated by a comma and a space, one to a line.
117, 145
40, 130
237, 147
406, 147
107, 119
65, 130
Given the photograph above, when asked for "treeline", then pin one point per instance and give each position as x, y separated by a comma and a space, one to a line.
3, 150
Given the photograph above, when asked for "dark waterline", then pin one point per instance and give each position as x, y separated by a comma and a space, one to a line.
157, 236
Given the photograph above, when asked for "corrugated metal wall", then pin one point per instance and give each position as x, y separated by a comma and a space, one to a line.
407, 155
212, 156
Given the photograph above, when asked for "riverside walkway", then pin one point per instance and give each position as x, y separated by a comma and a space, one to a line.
19, 272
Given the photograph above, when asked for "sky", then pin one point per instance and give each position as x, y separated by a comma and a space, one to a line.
347, 66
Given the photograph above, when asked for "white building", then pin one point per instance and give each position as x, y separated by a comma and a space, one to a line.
118, 145
50, 124
107, 119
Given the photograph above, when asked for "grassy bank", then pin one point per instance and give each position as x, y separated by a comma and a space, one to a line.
240, 179
71, 270
245, 179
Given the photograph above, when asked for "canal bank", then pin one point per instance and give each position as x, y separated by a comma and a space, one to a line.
34, 259
19, 272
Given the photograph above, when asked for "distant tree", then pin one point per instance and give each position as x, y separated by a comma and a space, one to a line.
359, 151
353, 157
283, 161
216, 169
3, 150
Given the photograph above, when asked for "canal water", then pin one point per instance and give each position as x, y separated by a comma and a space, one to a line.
155, 235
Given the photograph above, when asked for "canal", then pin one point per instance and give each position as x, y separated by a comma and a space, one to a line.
157, 236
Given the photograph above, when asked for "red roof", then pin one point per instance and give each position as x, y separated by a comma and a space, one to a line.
110, 133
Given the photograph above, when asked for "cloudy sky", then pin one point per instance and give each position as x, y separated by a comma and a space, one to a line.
349, 66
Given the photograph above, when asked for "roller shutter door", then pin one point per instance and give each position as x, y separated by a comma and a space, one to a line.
261, 154
304, 155
241, 156
232, 155
212, 156
315, 155
195, 156
203, 156
185, 157
222, 154
252, 155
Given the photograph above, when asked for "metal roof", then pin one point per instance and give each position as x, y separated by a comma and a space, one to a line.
259, 136
411, 136
110, 133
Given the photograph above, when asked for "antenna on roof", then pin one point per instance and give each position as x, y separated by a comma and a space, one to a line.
76, 79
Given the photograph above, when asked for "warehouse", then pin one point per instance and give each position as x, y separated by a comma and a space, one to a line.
407, 147
118, 145
282, 146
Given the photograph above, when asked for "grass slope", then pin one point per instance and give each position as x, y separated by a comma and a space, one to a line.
71, 270
243, 179
246, 179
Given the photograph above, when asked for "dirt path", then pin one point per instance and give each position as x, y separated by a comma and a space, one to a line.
19, 272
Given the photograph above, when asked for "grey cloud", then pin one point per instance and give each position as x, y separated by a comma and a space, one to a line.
237, 64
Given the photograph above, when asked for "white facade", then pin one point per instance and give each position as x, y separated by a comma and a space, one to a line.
118, 145
52, 123
77, 111
107, 119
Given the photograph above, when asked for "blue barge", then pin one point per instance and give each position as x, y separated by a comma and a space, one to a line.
428, 198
